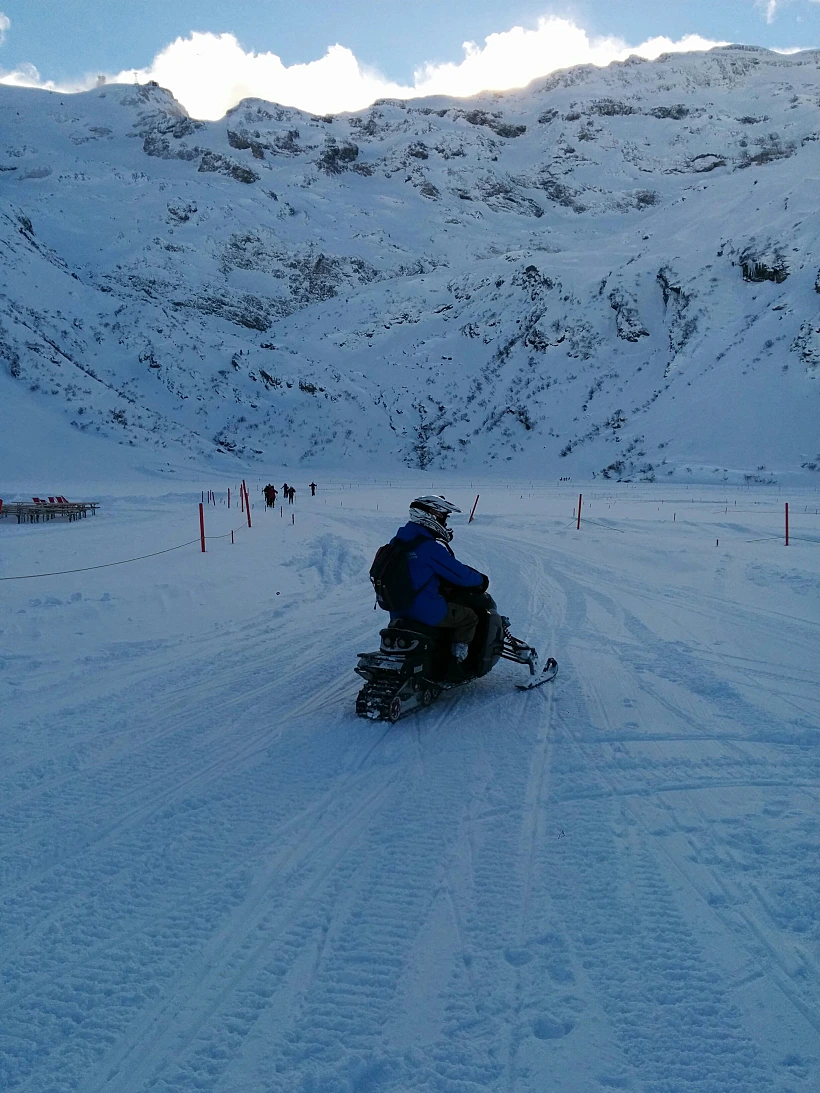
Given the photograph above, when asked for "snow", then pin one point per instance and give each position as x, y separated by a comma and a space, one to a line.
565, 274
216, 878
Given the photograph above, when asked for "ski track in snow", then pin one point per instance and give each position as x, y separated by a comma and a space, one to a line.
216, 878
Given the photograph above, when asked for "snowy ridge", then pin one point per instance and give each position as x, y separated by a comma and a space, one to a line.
614, 271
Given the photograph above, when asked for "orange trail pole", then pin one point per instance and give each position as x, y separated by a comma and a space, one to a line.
202, 526
787, 523
577, 526
472, 511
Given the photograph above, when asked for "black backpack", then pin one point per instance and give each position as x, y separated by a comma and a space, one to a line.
390, 575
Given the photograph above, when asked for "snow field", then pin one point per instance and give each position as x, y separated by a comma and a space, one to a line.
213, 876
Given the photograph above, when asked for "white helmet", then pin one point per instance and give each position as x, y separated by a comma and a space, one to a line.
431, 511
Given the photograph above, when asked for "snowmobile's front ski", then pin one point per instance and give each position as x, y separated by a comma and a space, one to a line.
548, 674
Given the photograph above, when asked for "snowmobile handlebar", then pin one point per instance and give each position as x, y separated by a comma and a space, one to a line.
478, 599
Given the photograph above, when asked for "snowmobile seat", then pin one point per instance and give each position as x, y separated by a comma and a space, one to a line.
415, 625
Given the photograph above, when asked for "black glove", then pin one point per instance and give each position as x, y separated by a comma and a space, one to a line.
485, 583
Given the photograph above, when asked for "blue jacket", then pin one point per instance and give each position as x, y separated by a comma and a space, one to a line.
427, 561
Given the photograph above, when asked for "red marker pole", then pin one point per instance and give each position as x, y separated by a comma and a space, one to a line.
247, 504
472, 511
787, 523
577, 526
202, 526
229, 496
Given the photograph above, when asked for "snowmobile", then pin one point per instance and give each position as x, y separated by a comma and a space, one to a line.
414, 664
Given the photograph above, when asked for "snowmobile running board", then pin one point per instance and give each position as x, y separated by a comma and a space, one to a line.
548, 674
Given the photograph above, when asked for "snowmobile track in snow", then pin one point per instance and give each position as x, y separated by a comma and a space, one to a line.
254, 889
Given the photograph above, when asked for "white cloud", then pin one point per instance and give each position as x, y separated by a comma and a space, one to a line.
515, 57
5, 23
210, 73
28, 76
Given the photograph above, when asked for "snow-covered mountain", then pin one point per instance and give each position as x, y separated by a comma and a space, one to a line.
612, 271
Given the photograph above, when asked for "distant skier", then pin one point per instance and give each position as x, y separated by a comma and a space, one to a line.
270, 495
313, 489
432, 564
291, 493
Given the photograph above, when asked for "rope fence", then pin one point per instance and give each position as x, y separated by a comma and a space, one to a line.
123, 561
209, 497
202, 539
103, 565
576, 521
246, 506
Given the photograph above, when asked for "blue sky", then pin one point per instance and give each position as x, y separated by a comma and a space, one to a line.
67, 41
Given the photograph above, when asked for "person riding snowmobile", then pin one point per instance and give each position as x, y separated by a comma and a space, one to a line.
432, 562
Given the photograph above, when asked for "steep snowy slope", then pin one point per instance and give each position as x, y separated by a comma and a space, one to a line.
612, 271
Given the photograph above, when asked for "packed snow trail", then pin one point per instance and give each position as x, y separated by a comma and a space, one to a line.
216, 878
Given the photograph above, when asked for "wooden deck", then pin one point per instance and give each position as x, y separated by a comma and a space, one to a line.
30, 512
